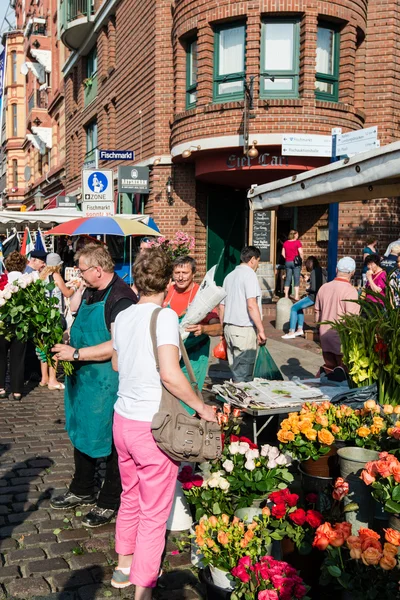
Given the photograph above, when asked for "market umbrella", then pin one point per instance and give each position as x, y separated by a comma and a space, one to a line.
103, 226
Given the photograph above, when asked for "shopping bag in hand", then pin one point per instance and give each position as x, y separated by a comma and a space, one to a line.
265, 366
220, 350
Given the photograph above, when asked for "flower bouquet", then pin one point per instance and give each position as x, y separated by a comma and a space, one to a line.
253, 473
370, 345
267, 579
383, 476
223, 540
308, 434
207, 492
27, 313
181, 245
363, 564
293, 522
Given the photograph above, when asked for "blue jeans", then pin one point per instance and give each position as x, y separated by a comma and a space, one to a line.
297, 315
292, 271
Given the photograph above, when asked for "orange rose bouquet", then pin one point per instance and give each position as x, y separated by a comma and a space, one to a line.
383, 476
223, 540
363, 564
309, 433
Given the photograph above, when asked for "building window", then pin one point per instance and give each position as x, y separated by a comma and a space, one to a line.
91, 63
13, 67
91, 142
279, 59
14, 120
229, 63
191, 74
327, 63
15, 173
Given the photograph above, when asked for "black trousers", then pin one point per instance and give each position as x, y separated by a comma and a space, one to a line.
83, 483
17, 351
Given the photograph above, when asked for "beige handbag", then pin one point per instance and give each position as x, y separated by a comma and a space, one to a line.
181, 436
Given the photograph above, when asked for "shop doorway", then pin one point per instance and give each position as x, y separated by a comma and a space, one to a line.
286, 218
227, 223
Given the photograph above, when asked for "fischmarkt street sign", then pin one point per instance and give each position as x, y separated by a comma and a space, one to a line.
98, 209
97, 185
133, 180
299, 144
354, 142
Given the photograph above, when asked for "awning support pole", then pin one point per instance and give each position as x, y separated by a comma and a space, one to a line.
333, 219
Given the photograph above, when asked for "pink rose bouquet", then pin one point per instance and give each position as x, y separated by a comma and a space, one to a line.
267, 579
383, 475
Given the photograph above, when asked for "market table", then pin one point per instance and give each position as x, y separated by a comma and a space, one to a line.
280, 405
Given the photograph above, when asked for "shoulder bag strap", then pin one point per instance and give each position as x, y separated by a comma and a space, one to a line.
153, 334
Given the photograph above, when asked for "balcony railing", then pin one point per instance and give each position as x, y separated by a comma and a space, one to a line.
76, 22
79, 8
38, 29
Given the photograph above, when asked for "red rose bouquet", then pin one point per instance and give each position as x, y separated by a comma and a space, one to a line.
290, 520
267, 579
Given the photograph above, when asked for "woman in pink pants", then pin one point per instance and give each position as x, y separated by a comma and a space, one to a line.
148, 475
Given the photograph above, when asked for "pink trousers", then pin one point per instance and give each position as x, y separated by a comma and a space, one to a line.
148, 478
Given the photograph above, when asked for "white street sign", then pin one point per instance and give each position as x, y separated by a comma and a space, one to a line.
354, 142
297, 144
98, 209
98, 185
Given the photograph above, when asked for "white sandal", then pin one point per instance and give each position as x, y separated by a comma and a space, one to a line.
59, 386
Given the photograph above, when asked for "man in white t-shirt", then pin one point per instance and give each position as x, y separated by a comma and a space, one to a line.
241, 314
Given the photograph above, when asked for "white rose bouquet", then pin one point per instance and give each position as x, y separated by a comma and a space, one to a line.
28, 313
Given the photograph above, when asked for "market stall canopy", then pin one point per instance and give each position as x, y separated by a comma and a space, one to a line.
373, 174
103, 226
60, 215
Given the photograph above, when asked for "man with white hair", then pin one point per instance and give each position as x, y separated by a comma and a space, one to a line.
333, 301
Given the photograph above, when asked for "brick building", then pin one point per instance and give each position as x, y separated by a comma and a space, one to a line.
35, 130
172, 82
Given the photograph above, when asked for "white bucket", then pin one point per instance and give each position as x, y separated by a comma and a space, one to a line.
180, 518
220, 578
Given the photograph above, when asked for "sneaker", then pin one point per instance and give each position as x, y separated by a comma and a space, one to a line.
289, 336
120, 580
298, 333
98, 516
70, 500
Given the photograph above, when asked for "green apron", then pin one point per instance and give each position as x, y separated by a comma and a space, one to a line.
91, 392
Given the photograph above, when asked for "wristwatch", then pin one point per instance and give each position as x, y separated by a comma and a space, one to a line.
75, 355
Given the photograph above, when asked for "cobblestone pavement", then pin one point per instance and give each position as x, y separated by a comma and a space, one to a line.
47, 554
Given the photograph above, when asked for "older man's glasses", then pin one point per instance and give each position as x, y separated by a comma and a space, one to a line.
82, 271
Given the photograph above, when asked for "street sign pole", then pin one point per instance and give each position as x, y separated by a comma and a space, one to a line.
333, 218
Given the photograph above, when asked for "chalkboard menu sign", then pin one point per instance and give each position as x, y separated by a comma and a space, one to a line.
262, 233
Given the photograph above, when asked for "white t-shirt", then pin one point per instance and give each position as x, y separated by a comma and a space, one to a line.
139, 390
240, 285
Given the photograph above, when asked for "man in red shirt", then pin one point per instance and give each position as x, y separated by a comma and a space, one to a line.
180, 294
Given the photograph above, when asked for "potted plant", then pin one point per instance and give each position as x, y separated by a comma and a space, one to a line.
383, 475
207, 491
223, 541
267, 579
363, 565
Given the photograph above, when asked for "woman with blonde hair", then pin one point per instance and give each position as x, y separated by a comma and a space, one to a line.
292, 252
52, 274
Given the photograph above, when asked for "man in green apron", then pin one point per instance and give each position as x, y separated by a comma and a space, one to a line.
179, 296
91, 391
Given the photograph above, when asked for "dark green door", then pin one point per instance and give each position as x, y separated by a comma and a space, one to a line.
227, 229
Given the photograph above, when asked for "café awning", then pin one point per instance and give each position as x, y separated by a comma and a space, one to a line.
366, 176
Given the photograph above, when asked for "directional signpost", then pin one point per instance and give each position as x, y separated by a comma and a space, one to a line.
297, 144
355, 142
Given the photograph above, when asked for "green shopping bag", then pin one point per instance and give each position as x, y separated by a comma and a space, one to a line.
265, 366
